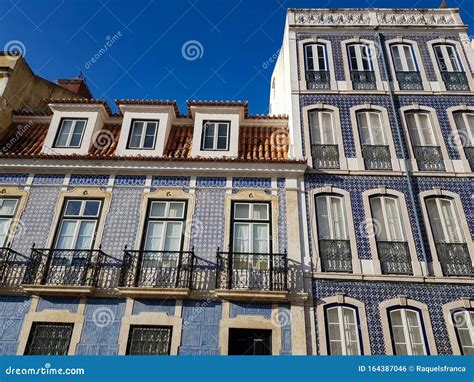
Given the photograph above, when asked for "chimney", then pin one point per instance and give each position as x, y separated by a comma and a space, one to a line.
443, 4
76, 85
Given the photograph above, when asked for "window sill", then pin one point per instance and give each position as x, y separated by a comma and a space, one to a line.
54, 290
393, 278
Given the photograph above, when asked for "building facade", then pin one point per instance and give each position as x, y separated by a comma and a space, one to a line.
380, 104
339, 224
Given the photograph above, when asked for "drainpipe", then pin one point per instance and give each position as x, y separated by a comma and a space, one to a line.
404, 149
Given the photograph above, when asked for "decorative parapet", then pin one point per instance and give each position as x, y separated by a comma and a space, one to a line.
376, 17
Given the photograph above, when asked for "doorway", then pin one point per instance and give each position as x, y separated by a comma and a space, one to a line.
250, 342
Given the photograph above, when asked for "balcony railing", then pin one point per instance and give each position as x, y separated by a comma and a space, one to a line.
363, 80
318, 79
455, 259
376, 157
469, 151
157, 269
12, 267
394, 257
325, 156
409, 81
429, 158
256, 271
70, 267
456, 81
335, 255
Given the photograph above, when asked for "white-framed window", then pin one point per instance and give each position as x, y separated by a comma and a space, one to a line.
215, 135
465, 125
78, 224
164, 233
70, 133
407, 332
360, 58
444, 220
343, 331
421, 129
464, 323
143, 135
8, 208
447, 57
371, 128
330, 217
315, 57
322, 127
388, 218
403, 58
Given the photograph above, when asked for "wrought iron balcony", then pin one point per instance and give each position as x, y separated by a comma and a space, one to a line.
456, 81
318, 79
376, 157
429, 158
12, 267
409, 81
256, 271
67, 267
335, 255
469, 151
157, 269
325, 156
363, 80
394, 257
455, 259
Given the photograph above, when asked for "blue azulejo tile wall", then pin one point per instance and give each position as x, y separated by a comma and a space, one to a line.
373, 293
100, 333
200, 335
70, 304
12, 314
154, 306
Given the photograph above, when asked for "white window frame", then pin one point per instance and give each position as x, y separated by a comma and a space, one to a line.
399, 47
321, 128
216, 135
418, 128
71, 133
8, 218
406, 330
469, 323
315, 58
342, 328
371, 128
467, 127
358, 48
383, 201
447, 58
442, 219
341, 201
142, 137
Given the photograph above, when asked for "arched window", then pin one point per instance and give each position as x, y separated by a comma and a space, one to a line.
334, 244
450, 66
407, 332
426, 148
316, 66
324, 148
406, 68
464, 323
374, 143
342, 324
465, 125
449, 240
361, 67
392, 245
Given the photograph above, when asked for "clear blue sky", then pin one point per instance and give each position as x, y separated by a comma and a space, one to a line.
145, 58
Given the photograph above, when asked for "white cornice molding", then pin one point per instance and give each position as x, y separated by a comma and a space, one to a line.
376, 17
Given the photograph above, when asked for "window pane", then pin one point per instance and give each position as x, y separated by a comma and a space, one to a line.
339, 229
453, 58
154, 236
66, 234
176, 210
377, 130
366, 61
440, 57
91, 208
427, 129
377, 215
241, 237
149, 135
396, 58
315, 128
409, 58
173, 236
309, 57
8, 206
64, 133
85, 235
260, 211
137, 131
77, 134
158, 209
353, 58
4, 229
222, 136
73, 208
209, 133
413, 129
332, 316
393, 219
362, 118
260, 238
435, 221
242, 211
450, 221
322, 218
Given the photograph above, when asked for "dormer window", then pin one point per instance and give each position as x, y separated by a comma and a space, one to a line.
143, 135
70, 133
215, 136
